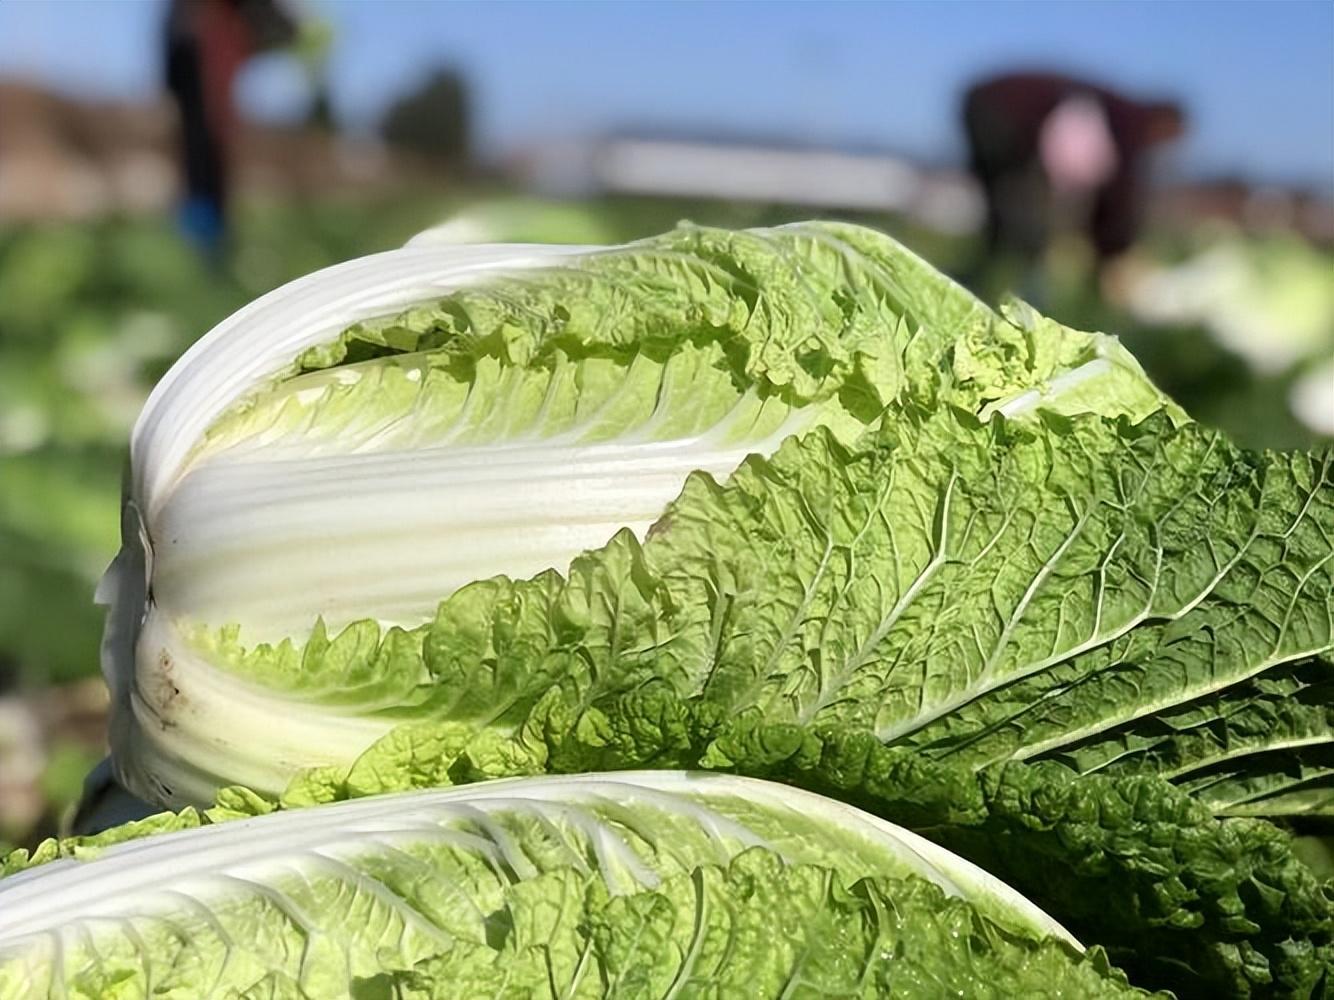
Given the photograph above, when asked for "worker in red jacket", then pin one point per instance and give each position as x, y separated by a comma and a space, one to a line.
1044, 146
206, 42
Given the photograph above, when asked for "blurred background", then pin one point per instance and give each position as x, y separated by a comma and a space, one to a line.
1160, 171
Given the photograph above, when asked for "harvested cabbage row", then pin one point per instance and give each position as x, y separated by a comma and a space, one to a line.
785, 502
634, 885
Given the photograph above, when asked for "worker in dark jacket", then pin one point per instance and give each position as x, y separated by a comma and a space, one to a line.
1043, 146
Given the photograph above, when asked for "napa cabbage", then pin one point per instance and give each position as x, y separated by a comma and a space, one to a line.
785, 503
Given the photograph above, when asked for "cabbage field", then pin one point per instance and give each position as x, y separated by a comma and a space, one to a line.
905, 619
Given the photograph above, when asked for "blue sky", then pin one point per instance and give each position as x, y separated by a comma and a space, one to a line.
1258, 77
